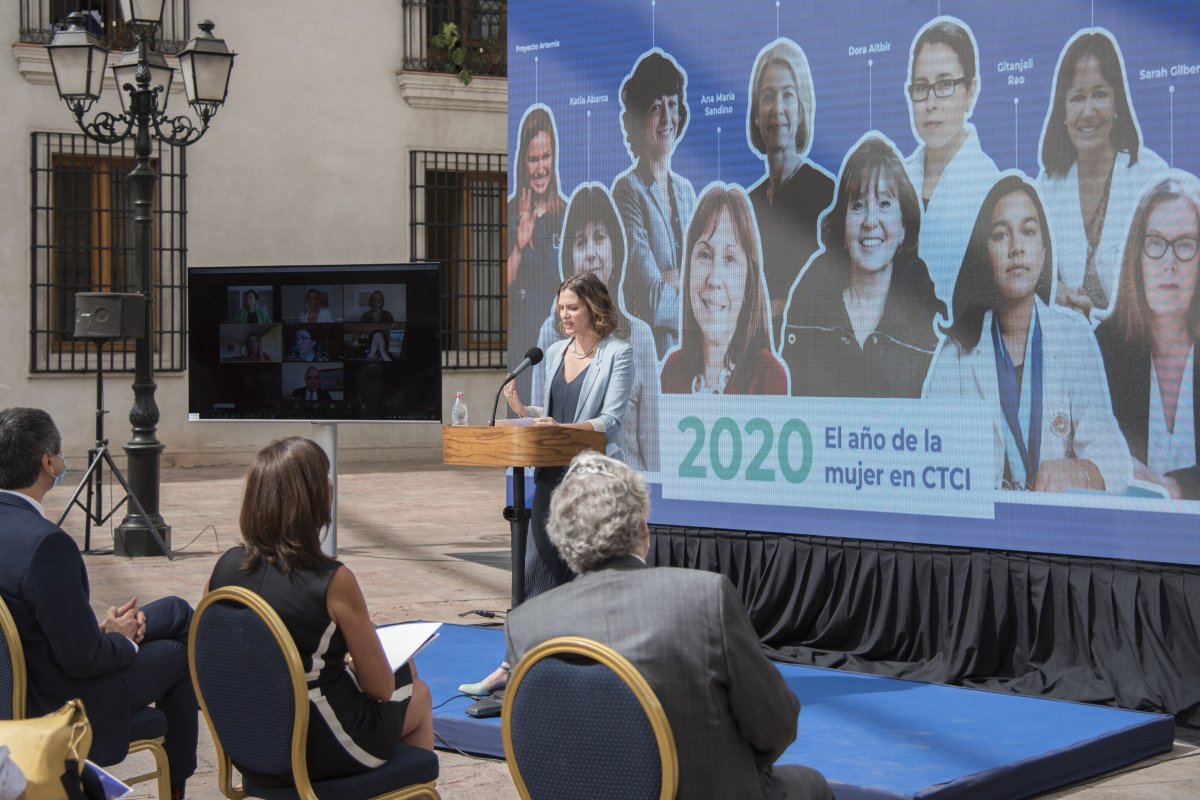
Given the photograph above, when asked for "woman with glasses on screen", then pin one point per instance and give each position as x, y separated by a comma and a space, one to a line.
949, 169
1149, 342
1094, 169
1035, 369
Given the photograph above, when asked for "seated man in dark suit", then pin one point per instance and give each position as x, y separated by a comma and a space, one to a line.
311, 390
132, 658
685, 630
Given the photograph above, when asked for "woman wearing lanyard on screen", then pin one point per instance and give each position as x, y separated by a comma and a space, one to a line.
589, 375
1037, 367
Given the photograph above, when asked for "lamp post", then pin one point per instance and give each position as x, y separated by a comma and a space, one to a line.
78, 60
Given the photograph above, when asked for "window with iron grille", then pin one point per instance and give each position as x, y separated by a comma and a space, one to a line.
41, 19
82, 240
482, 28
460, 219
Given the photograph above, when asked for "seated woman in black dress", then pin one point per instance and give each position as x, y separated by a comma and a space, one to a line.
359, 708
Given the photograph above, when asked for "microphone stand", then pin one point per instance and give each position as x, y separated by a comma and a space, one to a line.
512, 376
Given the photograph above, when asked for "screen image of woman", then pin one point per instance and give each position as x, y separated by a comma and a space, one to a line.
376, 312
1149, 342
949, 169
535, 217
1094, 169
1036, 368
860, 319
252, 349
655, 202
252, 308
316, 307
791, 196
725, 346
594, 241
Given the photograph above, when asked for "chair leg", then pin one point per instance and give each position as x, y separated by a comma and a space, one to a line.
162, 771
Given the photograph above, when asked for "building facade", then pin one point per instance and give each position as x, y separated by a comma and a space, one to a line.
346, 138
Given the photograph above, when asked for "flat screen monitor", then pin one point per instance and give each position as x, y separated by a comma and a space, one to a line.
345, 342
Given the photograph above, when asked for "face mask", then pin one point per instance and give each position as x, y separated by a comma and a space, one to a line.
59, 477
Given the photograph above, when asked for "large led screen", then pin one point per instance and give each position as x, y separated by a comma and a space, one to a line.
910, 271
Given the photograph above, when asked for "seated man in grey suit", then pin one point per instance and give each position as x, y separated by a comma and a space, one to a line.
685, 630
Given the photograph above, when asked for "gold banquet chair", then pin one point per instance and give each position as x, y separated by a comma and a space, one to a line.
579, 721
254, 696
146, 725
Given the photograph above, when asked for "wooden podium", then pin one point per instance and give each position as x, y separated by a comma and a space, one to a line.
517, 446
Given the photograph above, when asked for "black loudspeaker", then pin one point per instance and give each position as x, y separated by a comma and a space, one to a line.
109, 315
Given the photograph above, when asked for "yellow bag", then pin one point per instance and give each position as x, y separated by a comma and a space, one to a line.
46, 748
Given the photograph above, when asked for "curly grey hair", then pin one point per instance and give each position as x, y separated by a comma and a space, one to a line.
597, 512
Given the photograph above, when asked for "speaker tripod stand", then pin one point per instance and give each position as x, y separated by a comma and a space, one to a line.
93, 478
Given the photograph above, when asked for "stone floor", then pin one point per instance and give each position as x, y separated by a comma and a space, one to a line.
413, 564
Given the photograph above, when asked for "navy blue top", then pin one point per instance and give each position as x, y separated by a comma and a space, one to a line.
564, 395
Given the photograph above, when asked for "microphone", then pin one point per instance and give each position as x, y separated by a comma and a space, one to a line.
532, 356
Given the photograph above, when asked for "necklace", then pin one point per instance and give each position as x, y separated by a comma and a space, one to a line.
575, 349
700, 386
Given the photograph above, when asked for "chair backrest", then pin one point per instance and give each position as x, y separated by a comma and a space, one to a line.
250, 685
580, 721
12, 667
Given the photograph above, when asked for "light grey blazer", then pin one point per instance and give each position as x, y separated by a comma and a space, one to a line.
641, 416
605, 392
687, 632
652, 248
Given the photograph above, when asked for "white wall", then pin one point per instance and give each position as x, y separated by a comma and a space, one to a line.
308, 162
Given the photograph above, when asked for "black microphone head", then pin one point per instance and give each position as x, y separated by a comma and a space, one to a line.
534, 354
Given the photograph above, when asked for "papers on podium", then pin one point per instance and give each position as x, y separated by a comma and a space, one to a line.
404, 640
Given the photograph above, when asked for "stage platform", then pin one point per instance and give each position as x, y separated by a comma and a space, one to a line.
874, 737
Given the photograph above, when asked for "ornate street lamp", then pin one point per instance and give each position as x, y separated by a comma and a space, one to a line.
78, 60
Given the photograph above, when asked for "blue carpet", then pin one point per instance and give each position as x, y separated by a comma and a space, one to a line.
874, 737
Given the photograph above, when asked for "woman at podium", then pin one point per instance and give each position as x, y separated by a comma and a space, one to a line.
589, 374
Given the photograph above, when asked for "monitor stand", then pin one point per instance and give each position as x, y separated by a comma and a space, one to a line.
325, 434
